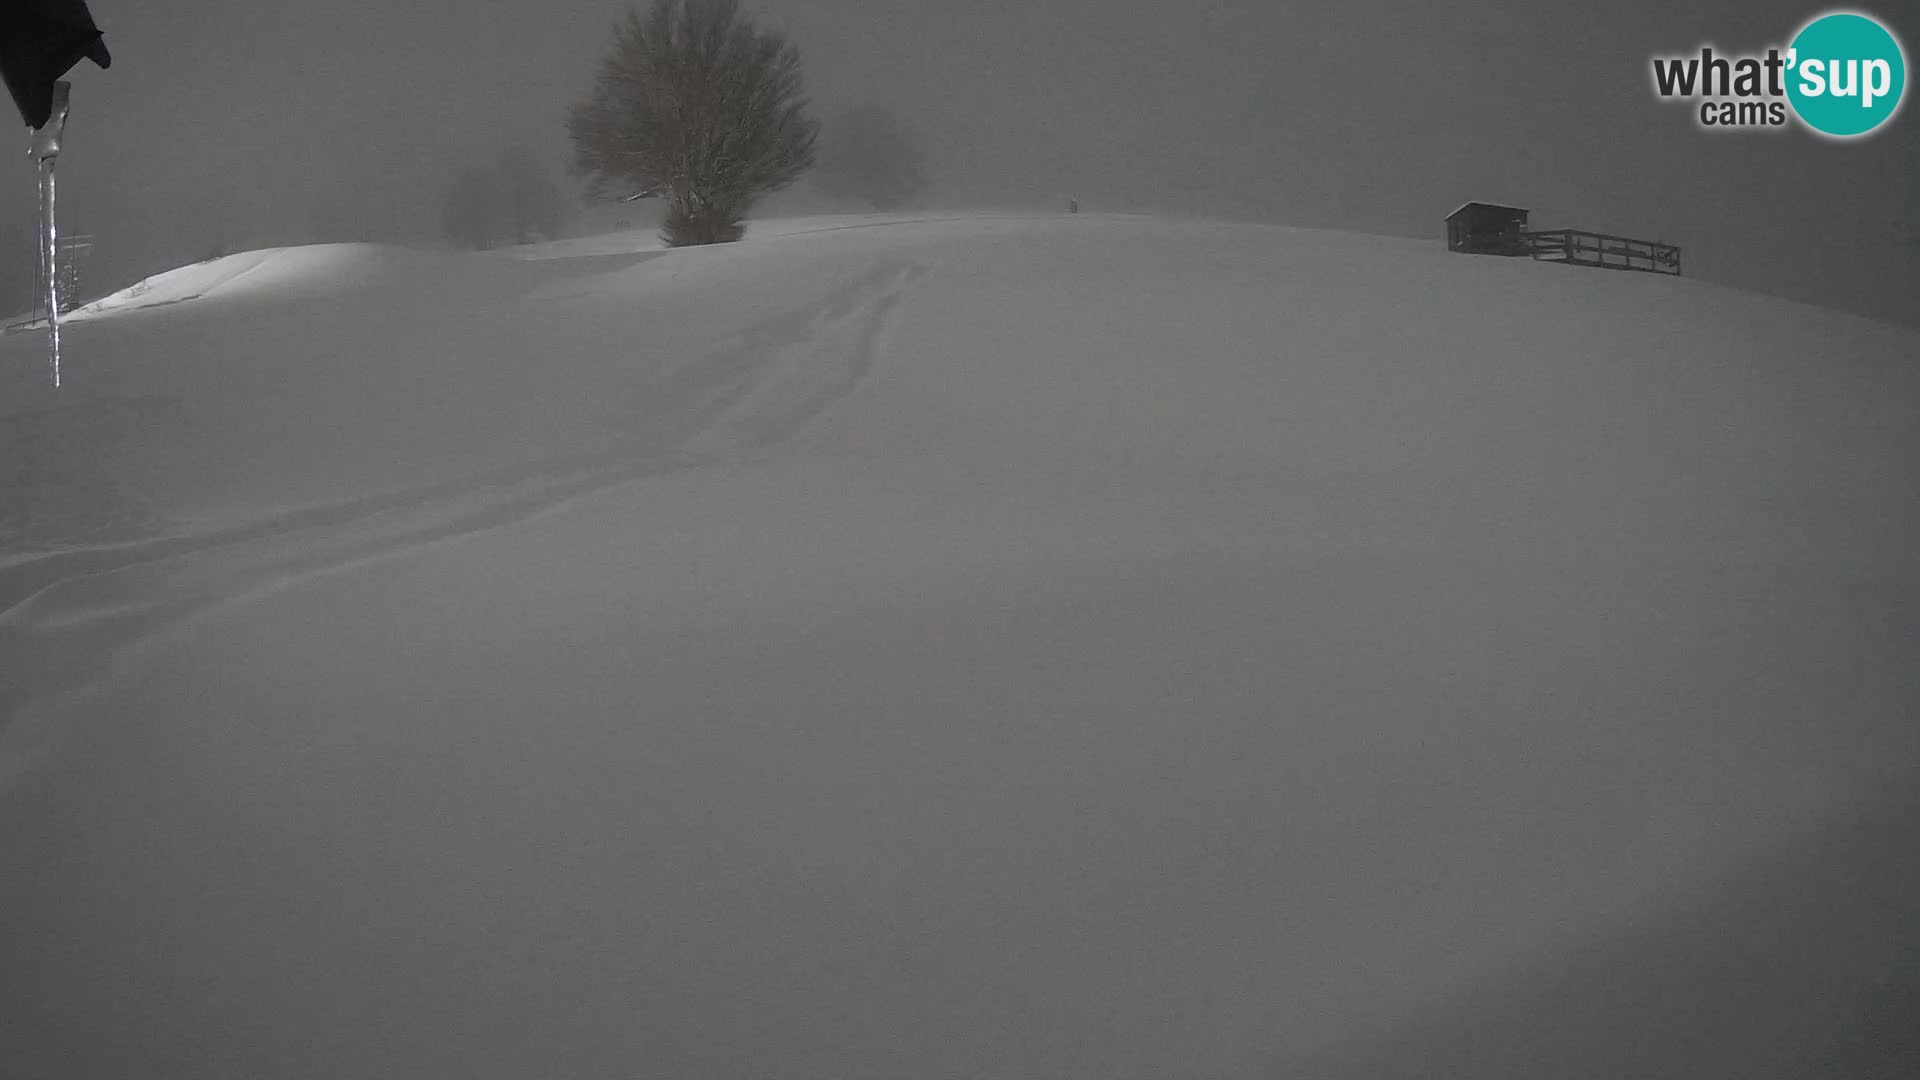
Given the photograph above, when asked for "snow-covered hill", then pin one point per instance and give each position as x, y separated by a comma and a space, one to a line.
1086, 646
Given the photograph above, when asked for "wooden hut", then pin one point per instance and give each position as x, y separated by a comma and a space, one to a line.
1488, 229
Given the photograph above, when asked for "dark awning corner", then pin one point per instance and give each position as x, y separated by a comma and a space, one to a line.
41, 40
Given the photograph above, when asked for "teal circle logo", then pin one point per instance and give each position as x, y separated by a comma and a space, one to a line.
1848, 74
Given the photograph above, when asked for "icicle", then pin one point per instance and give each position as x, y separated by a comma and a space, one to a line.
46, 148
51, 229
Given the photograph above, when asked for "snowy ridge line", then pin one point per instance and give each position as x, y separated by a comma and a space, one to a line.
126, 299
645, 241
67, 615
1037, 215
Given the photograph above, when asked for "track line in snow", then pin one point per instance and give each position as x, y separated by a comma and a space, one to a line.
66, 616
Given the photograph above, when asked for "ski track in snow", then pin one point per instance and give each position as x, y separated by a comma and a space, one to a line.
68, 615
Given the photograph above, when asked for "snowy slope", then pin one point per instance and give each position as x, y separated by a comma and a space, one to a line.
270, 271
989, 645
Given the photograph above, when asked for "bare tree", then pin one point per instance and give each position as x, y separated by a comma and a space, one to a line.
695, 103
865, 155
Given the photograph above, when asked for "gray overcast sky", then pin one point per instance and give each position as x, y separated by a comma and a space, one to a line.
250, 122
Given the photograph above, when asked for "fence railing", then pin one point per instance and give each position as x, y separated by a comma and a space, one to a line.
73, 259
1598, 249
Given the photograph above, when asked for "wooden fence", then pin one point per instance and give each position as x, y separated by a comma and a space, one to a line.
1609, 252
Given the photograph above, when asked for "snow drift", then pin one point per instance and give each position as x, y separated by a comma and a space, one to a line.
988, 646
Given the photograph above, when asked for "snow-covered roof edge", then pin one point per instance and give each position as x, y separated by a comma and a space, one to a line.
1495, 205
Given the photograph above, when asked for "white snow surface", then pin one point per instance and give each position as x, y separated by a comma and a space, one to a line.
975, 646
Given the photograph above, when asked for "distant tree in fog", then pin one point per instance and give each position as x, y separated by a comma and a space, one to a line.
468, 214
528, 204
693, 102
514, 202
865, 155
